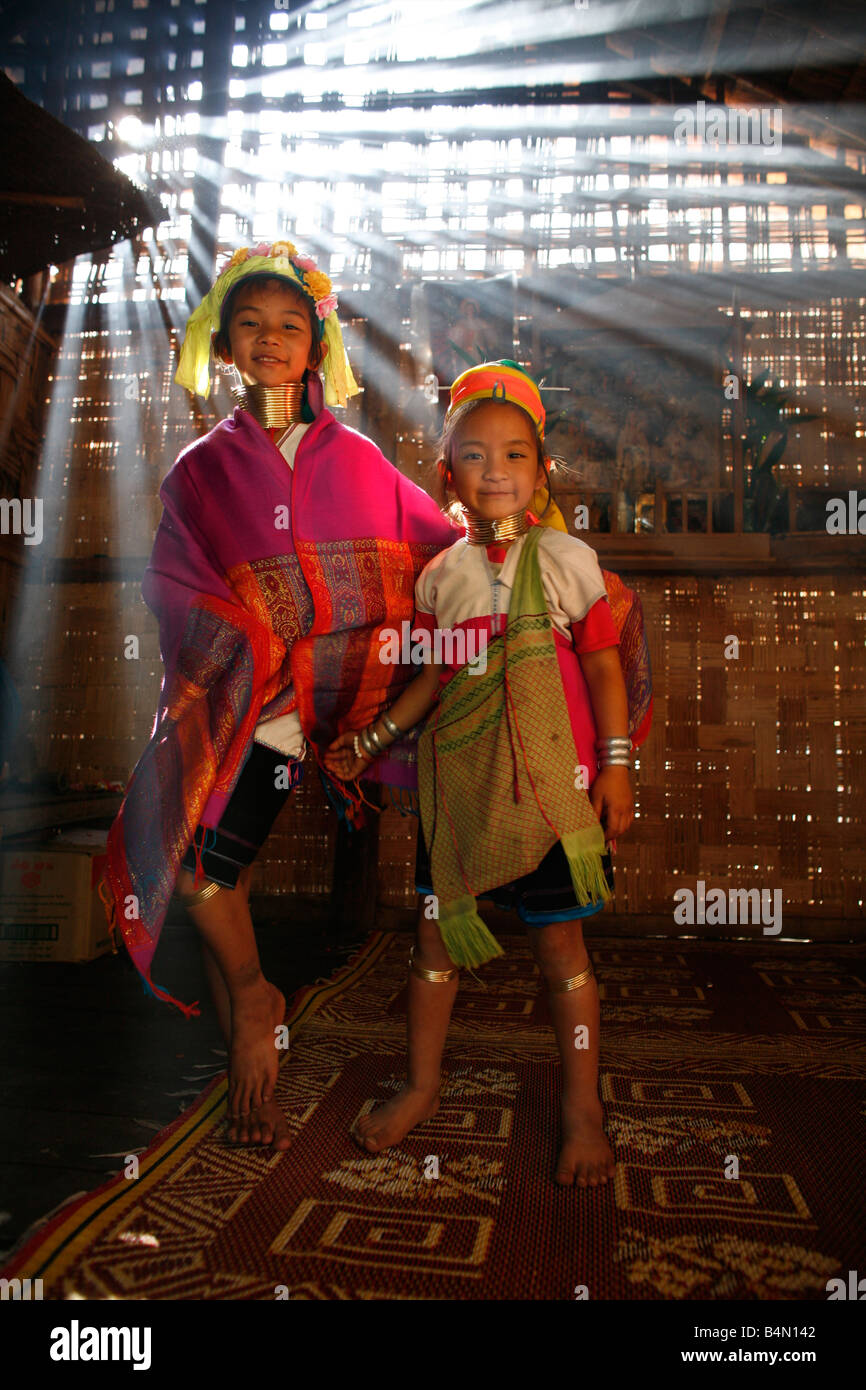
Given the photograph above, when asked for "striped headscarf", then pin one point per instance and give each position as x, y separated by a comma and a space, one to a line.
499, 381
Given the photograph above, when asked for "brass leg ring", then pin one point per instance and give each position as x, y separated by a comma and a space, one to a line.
435, 977
193, 899
576, 981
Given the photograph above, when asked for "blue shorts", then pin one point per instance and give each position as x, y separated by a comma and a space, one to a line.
543, 896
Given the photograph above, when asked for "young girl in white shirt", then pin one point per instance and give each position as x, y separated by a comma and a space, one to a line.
508, 756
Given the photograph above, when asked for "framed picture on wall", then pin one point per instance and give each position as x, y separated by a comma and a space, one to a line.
468, 321
634, 413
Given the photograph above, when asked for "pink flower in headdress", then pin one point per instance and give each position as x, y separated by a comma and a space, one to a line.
324, 306
263, 249
304, 263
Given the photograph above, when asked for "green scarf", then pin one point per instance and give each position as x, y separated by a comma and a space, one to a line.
495, 774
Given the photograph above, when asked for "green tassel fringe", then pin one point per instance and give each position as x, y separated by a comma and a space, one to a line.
584, 861
466, 938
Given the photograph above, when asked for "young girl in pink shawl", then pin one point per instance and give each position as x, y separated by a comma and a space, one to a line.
524, 762
287, 542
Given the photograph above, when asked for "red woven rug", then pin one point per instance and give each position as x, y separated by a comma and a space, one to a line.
709, 1052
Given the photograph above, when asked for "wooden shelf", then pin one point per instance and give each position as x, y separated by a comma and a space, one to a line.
22, 812
723, 553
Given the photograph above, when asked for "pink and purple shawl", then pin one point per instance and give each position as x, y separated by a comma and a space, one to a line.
271, 587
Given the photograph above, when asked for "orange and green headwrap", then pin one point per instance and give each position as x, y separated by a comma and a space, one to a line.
500, 381
505, 381
280, 259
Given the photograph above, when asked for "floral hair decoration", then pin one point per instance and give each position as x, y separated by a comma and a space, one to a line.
280, 259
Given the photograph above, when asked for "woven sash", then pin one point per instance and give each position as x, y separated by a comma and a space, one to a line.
497, 774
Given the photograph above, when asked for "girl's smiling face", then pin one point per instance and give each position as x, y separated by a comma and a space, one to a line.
495, 460
270, 336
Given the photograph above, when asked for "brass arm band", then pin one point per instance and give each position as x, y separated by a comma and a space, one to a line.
435, 977
576, 981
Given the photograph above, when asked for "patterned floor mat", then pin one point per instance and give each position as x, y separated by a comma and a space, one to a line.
734, 1083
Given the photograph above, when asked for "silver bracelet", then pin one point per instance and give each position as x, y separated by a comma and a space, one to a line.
391, 726
367, 745
375, 739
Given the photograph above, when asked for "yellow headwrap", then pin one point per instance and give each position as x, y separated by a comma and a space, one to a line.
280, 259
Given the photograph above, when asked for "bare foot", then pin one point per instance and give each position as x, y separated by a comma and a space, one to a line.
257, 1010
266, 1125
391, 1122
585, 1157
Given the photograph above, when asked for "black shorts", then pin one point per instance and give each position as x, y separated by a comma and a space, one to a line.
545, 895
246, 821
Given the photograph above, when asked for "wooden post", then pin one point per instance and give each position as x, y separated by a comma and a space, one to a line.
737, 416
660, 510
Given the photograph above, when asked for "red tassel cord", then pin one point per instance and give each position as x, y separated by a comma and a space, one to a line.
106, 897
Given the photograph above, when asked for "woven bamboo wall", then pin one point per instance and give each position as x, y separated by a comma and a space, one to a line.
754, 773
723, 782
563, 197
819, 356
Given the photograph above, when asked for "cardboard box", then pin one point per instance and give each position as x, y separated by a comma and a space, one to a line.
49, 906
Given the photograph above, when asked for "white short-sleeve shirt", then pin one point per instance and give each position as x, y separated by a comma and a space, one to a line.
460, 583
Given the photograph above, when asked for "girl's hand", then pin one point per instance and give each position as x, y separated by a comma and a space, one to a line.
612, 799
341, 760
